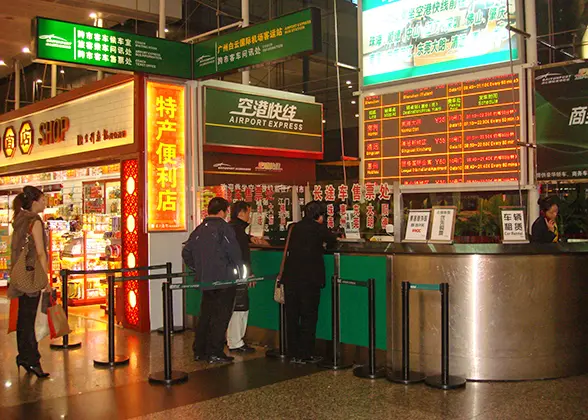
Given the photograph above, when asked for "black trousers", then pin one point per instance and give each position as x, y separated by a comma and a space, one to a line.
28, 350
216, 310
302, 303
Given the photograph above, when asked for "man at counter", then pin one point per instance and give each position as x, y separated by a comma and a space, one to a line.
240, 215
303, 279
544, 229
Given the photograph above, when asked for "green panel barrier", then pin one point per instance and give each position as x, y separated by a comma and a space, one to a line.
263, 310
193, 298
354, 304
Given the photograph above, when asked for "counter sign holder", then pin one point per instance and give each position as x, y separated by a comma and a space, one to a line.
512, 225
443, 224
417, 228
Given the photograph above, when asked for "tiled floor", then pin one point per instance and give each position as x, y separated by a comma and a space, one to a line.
252, 388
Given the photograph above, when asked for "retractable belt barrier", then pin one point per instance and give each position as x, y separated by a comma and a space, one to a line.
66, 344
406, 376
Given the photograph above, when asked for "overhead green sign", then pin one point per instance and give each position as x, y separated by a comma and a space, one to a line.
91, 46
275, 40
237, 120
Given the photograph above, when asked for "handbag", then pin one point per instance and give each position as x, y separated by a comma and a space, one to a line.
58, 324
25, 278
279, 287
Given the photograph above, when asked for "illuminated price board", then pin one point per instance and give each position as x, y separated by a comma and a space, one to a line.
454, 133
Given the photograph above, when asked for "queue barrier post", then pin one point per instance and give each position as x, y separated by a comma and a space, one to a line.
371, 371
336, 362
406, 376
173, 328
65, 343
168, 376
113, 360
445, 381
282, 351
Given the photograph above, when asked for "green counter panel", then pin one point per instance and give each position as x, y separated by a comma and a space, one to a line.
354, 306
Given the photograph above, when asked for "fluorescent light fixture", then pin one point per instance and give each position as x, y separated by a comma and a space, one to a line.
2, 63
26, 50
324, 121
166, 30
348, 82
353, 102
356, 115
93, 15
62, 71
38, 81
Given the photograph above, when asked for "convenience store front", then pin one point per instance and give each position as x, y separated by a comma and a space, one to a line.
82, 149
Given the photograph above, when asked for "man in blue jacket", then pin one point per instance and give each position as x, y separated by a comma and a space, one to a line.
213, 253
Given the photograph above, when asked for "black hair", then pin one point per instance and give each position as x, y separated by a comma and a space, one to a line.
545, 204
216, 205
314, 210
238, 207
25, 200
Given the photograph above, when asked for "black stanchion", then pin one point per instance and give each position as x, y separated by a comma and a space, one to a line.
405, 376
65, 343
168, 376
445, 381
174, 329
113, 359
336, 362
371, 371
281, 352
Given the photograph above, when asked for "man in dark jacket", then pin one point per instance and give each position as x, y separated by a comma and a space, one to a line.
303, 279
240, 215
213, 253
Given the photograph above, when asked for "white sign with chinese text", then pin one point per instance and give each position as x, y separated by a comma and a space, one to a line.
351, 228
417, 227
443, 225
257, 226
513, 226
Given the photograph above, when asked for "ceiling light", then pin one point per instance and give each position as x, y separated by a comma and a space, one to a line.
2, 63
324, 121
26, 50
166, 30
353, 102
62, 71
350, 87
356, 115
38, 81
93, 15
348, 82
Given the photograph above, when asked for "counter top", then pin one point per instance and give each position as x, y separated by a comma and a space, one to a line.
382, 248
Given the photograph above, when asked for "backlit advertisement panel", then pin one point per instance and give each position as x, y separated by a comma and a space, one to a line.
414, 38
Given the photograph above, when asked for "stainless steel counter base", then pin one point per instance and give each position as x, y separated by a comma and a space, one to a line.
512, 317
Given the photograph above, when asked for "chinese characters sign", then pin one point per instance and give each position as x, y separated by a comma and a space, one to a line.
417, 227
443, 224
92, 46
166, 158
513, 226
561, 122
242, 120
275, 40
411, 38
462, 132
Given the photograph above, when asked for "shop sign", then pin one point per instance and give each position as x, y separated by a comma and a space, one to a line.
402, 39
238, 120
513, 225
92, 123
417, 228
275, 40
166, 172
443, 224
58, 41
561, 122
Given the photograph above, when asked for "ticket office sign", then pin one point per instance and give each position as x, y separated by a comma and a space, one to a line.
67, 42
271, 41
464, 132
417, 228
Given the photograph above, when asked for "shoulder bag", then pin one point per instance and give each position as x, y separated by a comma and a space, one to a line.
279, 287
27, 279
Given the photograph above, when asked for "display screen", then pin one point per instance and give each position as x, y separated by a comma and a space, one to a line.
561, 122
452, 133
91, 46
411, 38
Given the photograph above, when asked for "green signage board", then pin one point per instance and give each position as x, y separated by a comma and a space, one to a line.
272, 41
91, 46
235, 121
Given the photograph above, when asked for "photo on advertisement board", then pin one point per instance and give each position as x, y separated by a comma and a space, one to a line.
412, 38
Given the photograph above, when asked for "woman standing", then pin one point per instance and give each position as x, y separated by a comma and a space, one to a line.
27, 207
544, 230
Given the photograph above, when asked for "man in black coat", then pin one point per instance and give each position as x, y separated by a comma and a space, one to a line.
303, 279
240, 215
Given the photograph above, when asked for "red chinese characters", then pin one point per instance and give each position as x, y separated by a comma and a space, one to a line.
329, 193
317, 193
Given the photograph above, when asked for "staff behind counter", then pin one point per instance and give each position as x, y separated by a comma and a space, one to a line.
544, 229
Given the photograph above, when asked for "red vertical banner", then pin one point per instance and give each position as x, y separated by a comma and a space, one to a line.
166, 173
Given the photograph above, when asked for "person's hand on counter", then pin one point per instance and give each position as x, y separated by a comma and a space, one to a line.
259, 241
